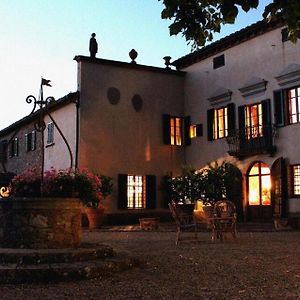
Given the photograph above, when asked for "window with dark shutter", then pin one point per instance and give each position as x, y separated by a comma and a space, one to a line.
122, 191
210, 124
150, 191
279, 108
3, 151
219, 61
166, 129
33, 140
187, 124
231, 118
199, 130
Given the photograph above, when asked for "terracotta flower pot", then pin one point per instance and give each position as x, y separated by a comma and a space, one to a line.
95, 216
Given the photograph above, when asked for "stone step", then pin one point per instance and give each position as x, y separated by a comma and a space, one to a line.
13, 273
86, 252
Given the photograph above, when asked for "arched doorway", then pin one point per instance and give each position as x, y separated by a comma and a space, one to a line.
259, 193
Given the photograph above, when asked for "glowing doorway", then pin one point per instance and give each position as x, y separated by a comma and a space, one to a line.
259, 191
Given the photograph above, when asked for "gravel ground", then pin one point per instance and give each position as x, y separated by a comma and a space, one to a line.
254, 266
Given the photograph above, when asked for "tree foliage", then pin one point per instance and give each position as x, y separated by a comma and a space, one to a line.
198, 20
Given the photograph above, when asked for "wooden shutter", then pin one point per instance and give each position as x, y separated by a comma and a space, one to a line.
279, 108
210, 124
150, 191
231, 118
266, 118
122, 191
199, 130
241, 117
33, 140
279, 187
187, 124
3, 151
166, 129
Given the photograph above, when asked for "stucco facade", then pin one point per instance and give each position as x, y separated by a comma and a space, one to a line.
120, 137
132, 122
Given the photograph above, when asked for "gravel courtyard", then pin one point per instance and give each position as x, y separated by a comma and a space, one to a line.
258, 265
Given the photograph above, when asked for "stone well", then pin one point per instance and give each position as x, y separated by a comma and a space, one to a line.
40, 223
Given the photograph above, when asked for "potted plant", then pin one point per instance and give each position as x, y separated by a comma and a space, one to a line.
94, 210
184, 189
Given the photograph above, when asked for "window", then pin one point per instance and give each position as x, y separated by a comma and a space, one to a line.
136, 191
176, 130
287, 106
296, 180
220, 123
14, 147
293, 96
219, 61
30, 141
253, 121
50, 136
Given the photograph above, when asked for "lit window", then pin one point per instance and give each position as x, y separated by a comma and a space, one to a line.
193, 131
294, 105
296, 180
50, 136
176, 131
136, 191
254, 121
259, 185
220, 125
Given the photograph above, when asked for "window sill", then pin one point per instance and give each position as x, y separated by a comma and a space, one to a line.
50, 145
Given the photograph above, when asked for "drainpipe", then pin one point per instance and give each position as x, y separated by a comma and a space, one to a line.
77, 130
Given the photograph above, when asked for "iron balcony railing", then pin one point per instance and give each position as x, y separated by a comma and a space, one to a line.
252, 140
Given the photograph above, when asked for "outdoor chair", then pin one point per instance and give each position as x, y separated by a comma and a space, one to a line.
224, 220
184, 222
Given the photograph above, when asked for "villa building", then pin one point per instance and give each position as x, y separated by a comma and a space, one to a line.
237, 99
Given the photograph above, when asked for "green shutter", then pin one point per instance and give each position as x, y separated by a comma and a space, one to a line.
231, 118
122, 191
266, 116
187, 124
33, 140
279, 108
150, 191
166, 129
210, 124
3, 151
199, 130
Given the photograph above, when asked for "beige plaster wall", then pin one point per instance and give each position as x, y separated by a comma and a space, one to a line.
264, 57
116, 139
57, 154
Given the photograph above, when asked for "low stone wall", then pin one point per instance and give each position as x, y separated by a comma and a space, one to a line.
40, 223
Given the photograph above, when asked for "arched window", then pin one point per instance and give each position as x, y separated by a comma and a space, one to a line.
259, 184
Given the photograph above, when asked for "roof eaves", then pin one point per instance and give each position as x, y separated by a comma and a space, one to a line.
227, 42
71, 97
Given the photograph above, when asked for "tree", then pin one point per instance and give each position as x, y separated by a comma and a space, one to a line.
198, 20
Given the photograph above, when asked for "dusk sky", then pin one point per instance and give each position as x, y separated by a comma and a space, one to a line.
40, 39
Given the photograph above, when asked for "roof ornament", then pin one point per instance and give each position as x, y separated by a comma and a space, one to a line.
167, 61
133, 55
93, 46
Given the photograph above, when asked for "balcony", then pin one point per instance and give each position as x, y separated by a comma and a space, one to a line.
250, 141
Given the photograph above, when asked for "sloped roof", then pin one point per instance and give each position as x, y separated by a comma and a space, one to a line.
227, 42
71, 97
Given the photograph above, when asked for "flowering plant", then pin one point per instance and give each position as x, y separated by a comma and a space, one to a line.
63, 183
